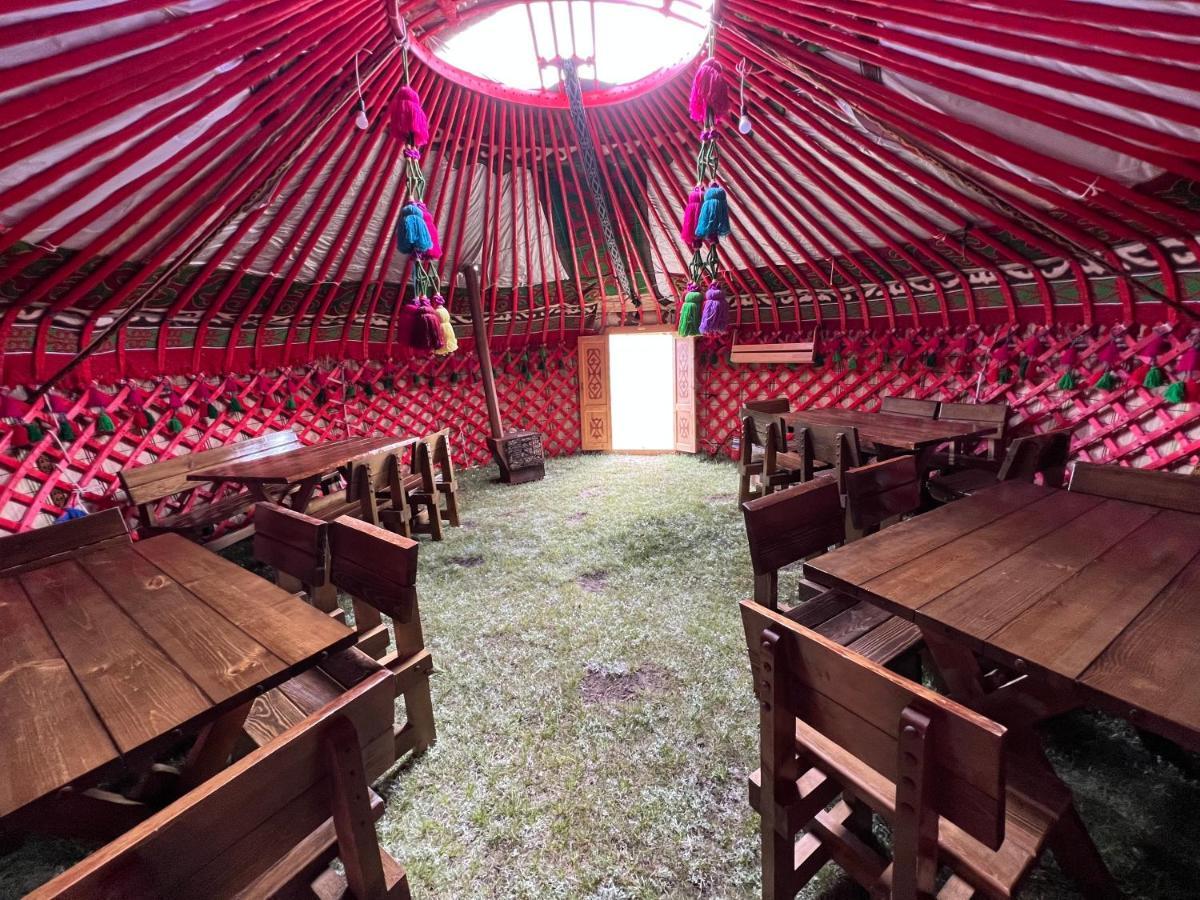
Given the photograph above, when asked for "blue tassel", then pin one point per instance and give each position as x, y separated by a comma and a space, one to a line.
412, 236
714, 215
70, 513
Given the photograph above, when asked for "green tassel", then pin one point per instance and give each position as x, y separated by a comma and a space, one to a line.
33, 432
290, 404
174, 425
454, 378
235, 405
1176, 393
104, 424
66, 433
818, 358
351, 390
931, 360
689, 314
837, 358
211, 411
1023, 367
1004, 376
852, 365
416, 380
1107, 381
368, 389
1067, 382
1154, 378
322, 397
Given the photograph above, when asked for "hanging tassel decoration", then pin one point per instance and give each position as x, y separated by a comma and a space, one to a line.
1185, 389
435, 243
689, 313
427, 331
412, 235
691, 217
174, 425
710, 94
235, 405
1105, 381
408, 122
449, 338
33, 432
1149, 375
66, 433
715, 319
713, 222
104, 423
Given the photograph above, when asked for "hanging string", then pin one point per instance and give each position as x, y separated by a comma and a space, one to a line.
361, 120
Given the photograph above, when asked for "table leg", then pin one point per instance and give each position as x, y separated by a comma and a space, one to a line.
210, 754
81, 815
304, 494
957, 667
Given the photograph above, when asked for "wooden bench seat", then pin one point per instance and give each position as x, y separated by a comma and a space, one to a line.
159, 488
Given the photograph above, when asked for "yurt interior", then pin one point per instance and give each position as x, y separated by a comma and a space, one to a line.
600, 449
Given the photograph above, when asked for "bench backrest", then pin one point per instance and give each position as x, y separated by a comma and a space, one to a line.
438, 444
833, 445
1167, 490
220, 838
1047, 453
375, 565
881, 490
857, 706
375, 473
767, 405
908, 406
788, 526
291, 542
40, 546
982, 414
168, 477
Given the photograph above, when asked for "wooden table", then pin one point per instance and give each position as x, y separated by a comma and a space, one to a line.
114, 653
909, 433
1096, 600
296, 473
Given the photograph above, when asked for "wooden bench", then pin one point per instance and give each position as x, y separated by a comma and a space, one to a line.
379, 571
381, 489
270, 824
797, 523
165, 483
1026, 457
994, 442
843, 739
908, 406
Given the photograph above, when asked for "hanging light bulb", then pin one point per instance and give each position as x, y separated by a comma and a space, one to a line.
363, 122
745, 126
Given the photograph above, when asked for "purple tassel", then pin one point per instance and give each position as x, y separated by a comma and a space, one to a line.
408, 121
435, 248
691, 215
715, 319
709, 92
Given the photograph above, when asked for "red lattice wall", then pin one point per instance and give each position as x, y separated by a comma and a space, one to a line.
537, 391
1130, 424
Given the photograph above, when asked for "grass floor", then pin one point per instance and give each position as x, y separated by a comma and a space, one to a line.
595, 721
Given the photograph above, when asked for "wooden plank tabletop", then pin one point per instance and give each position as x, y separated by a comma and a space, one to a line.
300, 464
113, 651
889, 429
1099, 594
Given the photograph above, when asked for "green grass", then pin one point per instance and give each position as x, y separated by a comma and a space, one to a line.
595, 721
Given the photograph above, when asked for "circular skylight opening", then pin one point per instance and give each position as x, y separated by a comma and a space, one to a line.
613, 44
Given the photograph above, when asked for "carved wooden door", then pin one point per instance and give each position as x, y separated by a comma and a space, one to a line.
595, 420
686, 439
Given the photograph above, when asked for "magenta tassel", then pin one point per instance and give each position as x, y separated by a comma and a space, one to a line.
691, 215
427, 333
715, 319
408, 120
709, 92
435, 249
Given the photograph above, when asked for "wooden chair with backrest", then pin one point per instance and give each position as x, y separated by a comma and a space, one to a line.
829, 450
1026, 457
377, 485
908, 406
881, 491
800, 522
378, 570
750, 450
296, 546
443, 472
42, 546
154, 487
1167, 490
837, 728
270, 824
993, 442
423, 490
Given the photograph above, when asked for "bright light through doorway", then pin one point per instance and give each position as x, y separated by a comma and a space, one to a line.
641, 372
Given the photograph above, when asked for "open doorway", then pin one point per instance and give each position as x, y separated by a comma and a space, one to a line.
641, 371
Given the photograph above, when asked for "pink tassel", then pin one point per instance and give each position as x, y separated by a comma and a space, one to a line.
408, 121
715, 319
427, 334
12, 407
709, 92
1109, 354
435, 249
59, 404
691, 215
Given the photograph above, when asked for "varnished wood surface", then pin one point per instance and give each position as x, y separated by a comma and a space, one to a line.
114, 651
890, 430
1093, 593
302, 463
